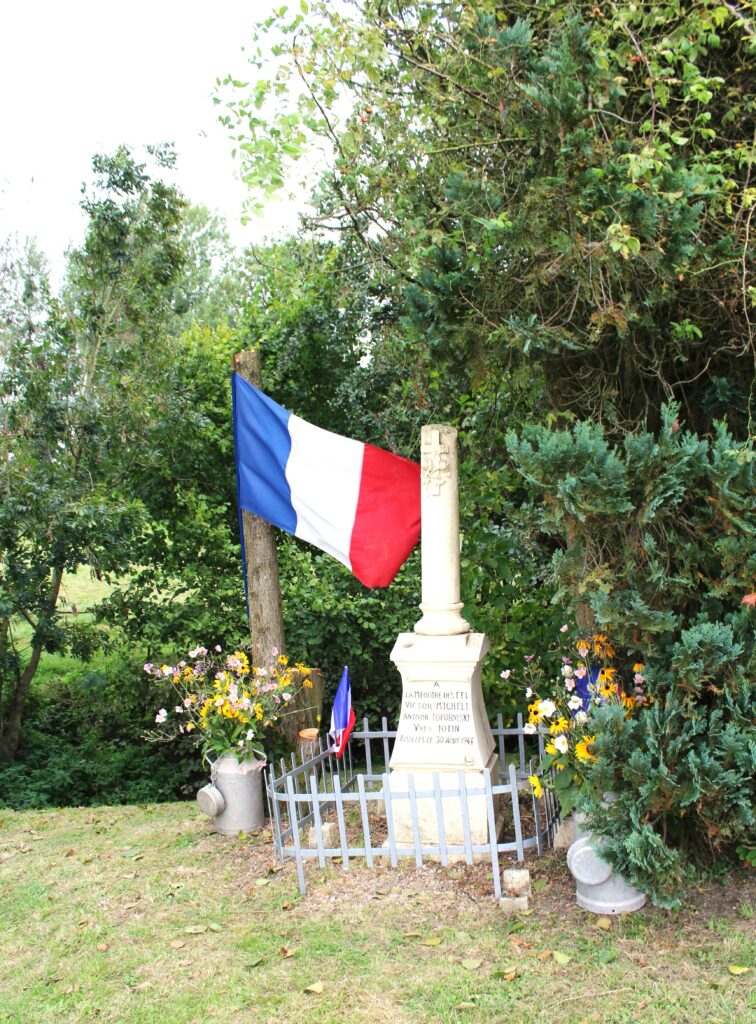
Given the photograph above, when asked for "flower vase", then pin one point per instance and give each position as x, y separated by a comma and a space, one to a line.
600, 888
234, 796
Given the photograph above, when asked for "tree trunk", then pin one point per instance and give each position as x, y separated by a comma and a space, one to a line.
11, 735
264, 604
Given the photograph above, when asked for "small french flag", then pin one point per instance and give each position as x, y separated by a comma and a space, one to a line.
359, 503
342, 716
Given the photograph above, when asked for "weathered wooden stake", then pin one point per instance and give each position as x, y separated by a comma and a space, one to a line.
263, 583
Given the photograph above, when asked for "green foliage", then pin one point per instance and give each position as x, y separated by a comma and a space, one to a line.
562, 185
83, 740
656, 540
684, 780
331, 620
656, 535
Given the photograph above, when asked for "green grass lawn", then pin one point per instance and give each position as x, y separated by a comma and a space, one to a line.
79, 592
144, 915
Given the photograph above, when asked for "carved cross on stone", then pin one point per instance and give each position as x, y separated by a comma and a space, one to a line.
434, 461
439, 499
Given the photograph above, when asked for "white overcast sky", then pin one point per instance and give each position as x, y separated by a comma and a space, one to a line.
79, 77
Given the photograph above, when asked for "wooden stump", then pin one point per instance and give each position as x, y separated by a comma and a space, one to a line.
307, 744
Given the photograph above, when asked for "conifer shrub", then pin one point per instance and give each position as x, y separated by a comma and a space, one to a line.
656, 548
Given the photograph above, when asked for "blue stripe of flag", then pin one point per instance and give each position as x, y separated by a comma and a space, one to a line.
262, 445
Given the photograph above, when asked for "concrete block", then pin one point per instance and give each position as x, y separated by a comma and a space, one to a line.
513, 904
515, 882
330, 835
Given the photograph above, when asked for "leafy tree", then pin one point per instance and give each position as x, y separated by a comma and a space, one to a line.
562, 184
82, 413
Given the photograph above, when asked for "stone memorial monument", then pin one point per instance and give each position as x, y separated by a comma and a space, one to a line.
443, 726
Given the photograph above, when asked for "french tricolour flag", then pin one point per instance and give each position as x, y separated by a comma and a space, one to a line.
359, 503
342, 716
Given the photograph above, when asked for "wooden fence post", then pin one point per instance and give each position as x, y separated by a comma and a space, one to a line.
264, 603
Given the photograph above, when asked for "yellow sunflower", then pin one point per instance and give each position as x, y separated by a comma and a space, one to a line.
583, 751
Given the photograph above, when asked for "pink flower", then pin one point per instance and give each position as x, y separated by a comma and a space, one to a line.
564, 628
580, 671
506, 673
148, 667
569, 684
529, 657
161, 716
218, 648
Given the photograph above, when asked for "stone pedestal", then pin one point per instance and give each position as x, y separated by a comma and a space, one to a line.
443, 727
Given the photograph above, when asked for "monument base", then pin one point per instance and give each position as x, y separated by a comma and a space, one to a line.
451, 808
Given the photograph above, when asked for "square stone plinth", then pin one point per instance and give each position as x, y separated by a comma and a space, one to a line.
451, 806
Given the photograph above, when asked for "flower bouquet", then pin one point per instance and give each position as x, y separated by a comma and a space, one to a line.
225, 701
564, 715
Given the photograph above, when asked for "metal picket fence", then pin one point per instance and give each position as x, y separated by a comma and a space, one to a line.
363, 807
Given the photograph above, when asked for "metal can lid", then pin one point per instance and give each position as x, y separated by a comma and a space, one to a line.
210, 801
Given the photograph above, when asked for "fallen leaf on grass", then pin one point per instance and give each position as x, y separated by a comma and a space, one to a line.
256, 962
214, 927
604, 923
70, 853
607, 956
544, 954
286, 953
195, 929
260, 882
736, 969
103, 947
539, 885
131, 874
472, 965
413, 935
432, 940
275, 868
315, 988
520, 942
465, 1006
562, 958
505, 975
177, 943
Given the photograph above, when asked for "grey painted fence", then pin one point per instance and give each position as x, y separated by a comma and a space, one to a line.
320, 789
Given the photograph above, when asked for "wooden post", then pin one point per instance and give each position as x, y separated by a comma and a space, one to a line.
264, 603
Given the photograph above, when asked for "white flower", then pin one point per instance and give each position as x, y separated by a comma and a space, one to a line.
581, 717
574, 702
179, 709
218, 648
161, 716
529, 729
546, 708
506, 673
564, 628
567, 671
560, 742
528, 693
250, 734
285, 696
